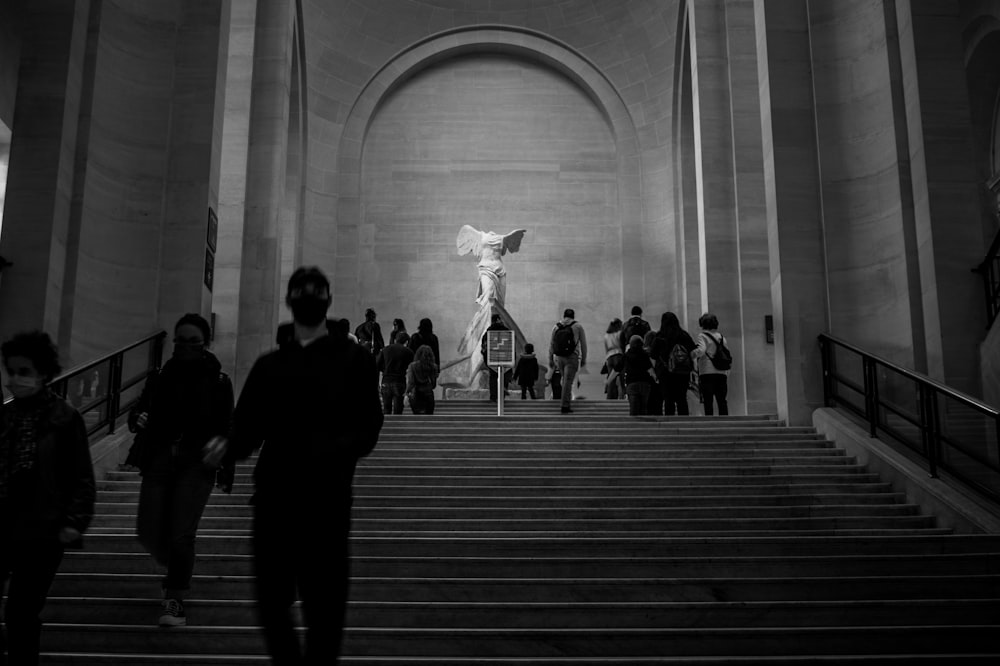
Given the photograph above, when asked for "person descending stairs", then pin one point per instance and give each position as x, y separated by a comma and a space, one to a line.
537, 538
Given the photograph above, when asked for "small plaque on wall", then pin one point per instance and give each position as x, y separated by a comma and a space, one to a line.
209, 269
213, 229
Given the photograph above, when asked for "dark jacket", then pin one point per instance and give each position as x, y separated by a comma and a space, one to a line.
526, 371
393, 362
316, 411
189, 403
369, 334
637, 366
634, 325
64, 488
429, 339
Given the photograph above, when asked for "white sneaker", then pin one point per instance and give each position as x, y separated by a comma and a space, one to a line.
173, 614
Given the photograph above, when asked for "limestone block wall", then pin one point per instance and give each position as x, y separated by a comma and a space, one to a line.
146, 184
499, 143
873, 300
629, 44
114, 132
10, 58
990, 353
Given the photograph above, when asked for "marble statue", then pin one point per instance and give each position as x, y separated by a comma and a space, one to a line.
489, 247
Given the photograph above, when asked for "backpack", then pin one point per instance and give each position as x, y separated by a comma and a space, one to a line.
722, 360
634, 326
563, 340
679, 360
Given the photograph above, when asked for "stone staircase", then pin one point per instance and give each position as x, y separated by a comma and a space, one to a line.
591, 538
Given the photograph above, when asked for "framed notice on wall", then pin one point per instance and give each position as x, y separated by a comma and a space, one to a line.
213, 230
500, 348
209, 269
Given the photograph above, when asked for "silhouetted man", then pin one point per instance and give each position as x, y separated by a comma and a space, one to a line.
314, 406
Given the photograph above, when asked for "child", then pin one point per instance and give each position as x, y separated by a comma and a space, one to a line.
526, 371
639, 377
555, 382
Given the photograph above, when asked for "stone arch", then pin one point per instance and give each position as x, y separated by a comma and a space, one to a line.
503, 40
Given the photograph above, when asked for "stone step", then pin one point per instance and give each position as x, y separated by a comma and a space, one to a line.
691, 459
895, 659
733, 488
623, 454
488, 436
616, 448
540, 566
568, 589
606, 524
530, 643
937, 541
116, 502
596, 615
405, 511
600, 483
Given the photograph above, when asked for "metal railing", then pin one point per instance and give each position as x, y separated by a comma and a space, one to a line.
990, 270
930, 422
105, 389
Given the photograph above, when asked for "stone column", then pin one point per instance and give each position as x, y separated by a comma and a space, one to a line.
716, 184
751, 211
42, 152
793, 204
945, 189
233, 180
260, 293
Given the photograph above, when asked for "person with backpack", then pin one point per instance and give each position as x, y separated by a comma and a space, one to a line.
635, 325
369, 334
714, 361
567, 354
671, 352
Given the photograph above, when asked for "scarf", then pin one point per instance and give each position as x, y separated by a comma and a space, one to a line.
19, 428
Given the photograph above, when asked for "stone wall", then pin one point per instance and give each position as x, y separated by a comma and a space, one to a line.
499, 143
10, 58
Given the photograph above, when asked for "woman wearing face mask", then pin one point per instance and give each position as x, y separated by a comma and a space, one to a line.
182, 410
46, 488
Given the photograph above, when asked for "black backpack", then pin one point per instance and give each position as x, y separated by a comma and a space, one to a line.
634, 326
679, 360
563, 340
722, 360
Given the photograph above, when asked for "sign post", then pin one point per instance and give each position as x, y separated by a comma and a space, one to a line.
500, 355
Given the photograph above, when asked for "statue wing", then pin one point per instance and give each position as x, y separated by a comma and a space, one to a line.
512, 241
469, 240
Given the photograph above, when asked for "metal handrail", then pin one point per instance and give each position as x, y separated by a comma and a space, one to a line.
974, 463
104, 410
990, 270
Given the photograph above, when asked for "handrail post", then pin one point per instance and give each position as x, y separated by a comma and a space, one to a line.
114, 391
871, 395
826, 354
934, 432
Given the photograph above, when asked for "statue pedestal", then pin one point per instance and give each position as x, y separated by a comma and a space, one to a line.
468, 371
466, 394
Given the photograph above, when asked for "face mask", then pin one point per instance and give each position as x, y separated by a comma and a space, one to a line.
22, 387
309, 310
183, 352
